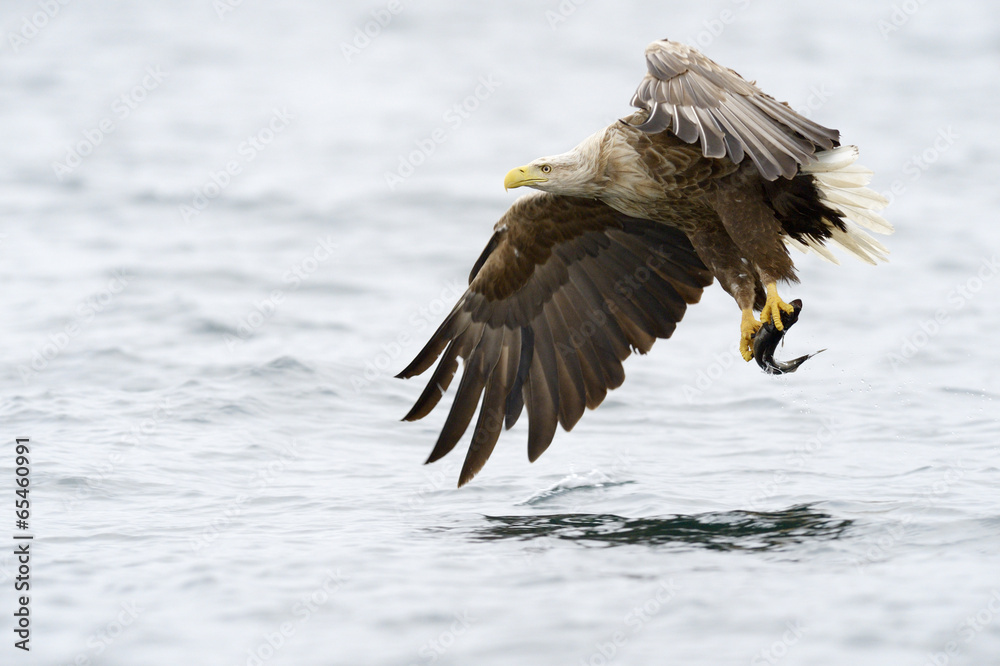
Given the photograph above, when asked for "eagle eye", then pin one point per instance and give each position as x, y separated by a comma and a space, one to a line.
546, 168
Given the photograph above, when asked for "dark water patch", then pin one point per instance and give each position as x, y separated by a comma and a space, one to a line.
731, 530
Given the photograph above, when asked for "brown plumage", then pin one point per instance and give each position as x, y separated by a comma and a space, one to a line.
631, 226
566, 288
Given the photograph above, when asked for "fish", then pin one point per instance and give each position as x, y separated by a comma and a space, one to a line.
766, 340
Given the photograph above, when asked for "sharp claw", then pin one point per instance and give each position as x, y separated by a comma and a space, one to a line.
748, 328
773, 307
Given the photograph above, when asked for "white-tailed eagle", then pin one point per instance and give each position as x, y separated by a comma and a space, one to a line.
709, 178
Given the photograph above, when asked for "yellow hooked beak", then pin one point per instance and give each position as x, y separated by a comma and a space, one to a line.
526, 175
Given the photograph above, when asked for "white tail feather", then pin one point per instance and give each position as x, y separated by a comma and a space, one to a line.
844, 178
868, 219
816, 246
832, 160
841, 185
861, 197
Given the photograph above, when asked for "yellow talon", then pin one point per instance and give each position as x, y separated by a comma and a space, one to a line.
773, 308
748, 328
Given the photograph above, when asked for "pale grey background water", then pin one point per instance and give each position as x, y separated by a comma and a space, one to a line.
216, 479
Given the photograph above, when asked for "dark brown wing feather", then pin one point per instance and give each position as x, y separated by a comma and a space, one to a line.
702, 102
565, 290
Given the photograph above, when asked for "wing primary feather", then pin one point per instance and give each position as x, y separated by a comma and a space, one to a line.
543, 408
572, 385
470, 389
451, 328
437, 385
515, 399
824, 137
490, 422
581, 333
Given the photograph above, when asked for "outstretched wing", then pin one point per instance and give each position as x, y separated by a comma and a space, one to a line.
563, 293
702, 102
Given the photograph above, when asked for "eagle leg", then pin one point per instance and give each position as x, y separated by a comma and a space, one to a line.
748, 328
773, 308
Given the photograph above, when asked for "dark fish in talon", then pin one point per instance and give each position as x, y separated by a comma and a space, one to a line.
766, 341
